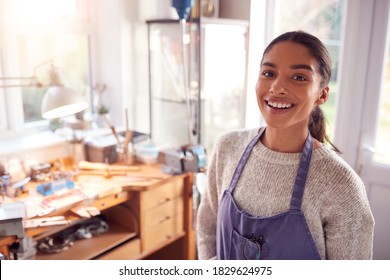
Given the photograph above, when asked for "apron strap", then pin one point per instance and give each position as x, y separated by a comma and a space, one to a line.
243, 160
303, 170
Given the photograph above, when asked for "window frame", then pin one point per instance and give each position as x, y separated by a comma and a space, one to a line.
3, 115
12, 122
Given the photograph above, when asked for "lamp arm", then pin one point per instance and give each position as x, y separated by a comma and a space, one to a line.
17, 78
42, 64
33, 79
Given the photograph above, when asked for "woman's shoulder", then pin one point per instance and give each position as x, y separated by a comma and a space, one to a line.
335, 167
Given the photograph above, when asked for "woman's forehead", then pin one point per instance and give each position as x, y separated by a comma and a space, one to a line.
290, 53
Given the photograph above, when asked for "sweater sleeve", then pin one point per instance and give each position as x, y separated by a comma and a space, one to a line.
348, 221
223, 161
207, 214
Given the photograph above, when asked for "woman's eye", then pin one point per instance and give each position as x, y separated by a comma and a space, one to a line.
267, 74
299, 78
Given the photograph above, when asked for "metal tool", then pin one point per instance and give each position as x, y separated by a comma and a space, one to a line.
11, 220
187, 159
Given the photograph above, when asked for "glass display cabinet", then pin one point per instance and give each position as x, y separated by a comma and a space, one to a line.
212, 63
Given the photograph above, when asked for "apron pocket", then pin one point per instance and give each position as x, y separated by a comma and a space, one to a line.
242, 248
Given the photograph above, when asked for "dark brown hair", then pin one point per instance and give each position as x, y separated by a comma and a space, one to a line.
317, 123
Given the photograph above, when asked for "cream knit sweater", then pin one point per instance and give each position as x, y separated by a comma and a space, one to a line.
335, 203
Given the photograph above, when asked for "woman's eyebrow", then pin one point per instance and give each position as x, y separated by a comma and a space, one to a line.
294, 66
269, 64
302, 66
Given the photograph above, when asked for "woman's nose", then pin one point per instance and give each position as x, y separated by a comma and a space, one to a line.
278, 87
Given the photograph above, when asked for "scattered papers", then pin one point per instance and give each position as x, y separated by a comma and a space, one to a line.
44, 222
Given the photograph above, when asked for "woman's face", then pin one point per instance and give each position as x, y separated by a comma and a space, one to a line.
289, 86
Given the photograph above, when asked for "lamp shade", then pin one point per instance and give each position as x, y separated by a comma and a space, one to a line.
60, 101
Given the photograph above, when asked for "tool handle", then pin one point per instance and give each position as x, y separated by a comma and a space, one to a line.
113, 130
129, 133
102, 166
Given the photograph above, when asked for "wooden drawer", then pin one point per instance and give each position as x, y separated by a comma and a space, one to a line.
128, 251
160, 214
111, 200
162, 232
162, 194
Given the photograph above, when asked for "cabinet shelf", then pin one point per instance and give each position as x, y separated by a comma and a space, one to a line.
91, 248
204, 74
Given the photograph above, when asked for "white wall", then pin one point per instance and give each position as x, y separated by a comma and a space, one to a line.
121, 50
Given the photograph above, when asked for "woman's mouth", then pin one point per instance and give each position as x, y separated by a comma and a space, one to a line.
279, 105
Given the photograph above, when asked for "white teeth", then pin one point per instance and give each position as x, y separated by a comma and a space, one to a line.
279, 105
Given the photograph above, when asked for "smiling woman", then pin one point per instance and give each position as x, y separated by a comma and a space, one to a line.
279, 192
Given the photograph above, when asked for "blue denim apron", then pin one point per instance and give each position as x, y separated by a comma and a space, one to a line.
284, 236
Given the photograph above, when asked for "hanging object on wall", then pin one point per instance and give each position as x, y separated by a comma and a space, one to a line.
183, 7
210, 8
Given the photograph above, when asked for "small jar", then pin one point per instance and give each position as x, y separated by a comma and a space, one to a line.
125, 155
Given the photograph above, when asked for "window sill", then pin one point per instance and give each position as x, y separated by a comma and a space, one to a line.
39, 140
21, 144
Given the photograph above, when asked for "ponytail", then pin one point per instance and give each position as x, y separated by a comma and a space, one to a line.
317, 127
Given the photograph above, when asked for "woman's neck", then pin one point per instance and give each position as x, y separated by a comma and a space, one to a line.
285, 140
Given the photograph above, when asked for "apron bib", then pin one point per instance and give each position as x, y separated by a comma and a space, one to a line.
285, 236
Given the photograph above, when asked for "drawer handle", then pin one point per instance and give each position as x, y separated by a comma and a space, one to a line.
165, 219
162, 201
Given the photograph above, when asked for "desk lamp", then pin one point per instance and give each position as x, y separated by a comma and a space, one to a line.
59, 100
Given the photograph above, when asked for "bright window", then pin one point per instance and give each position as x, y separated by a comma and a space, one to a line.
69, 52
33, 34
383, 125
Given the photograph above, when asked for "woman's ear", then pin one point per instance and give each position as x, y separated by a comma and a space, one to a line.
323, 97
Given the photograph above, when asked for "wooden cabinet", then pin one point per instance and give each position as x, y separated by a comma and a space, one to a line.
149, 219
160, 211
